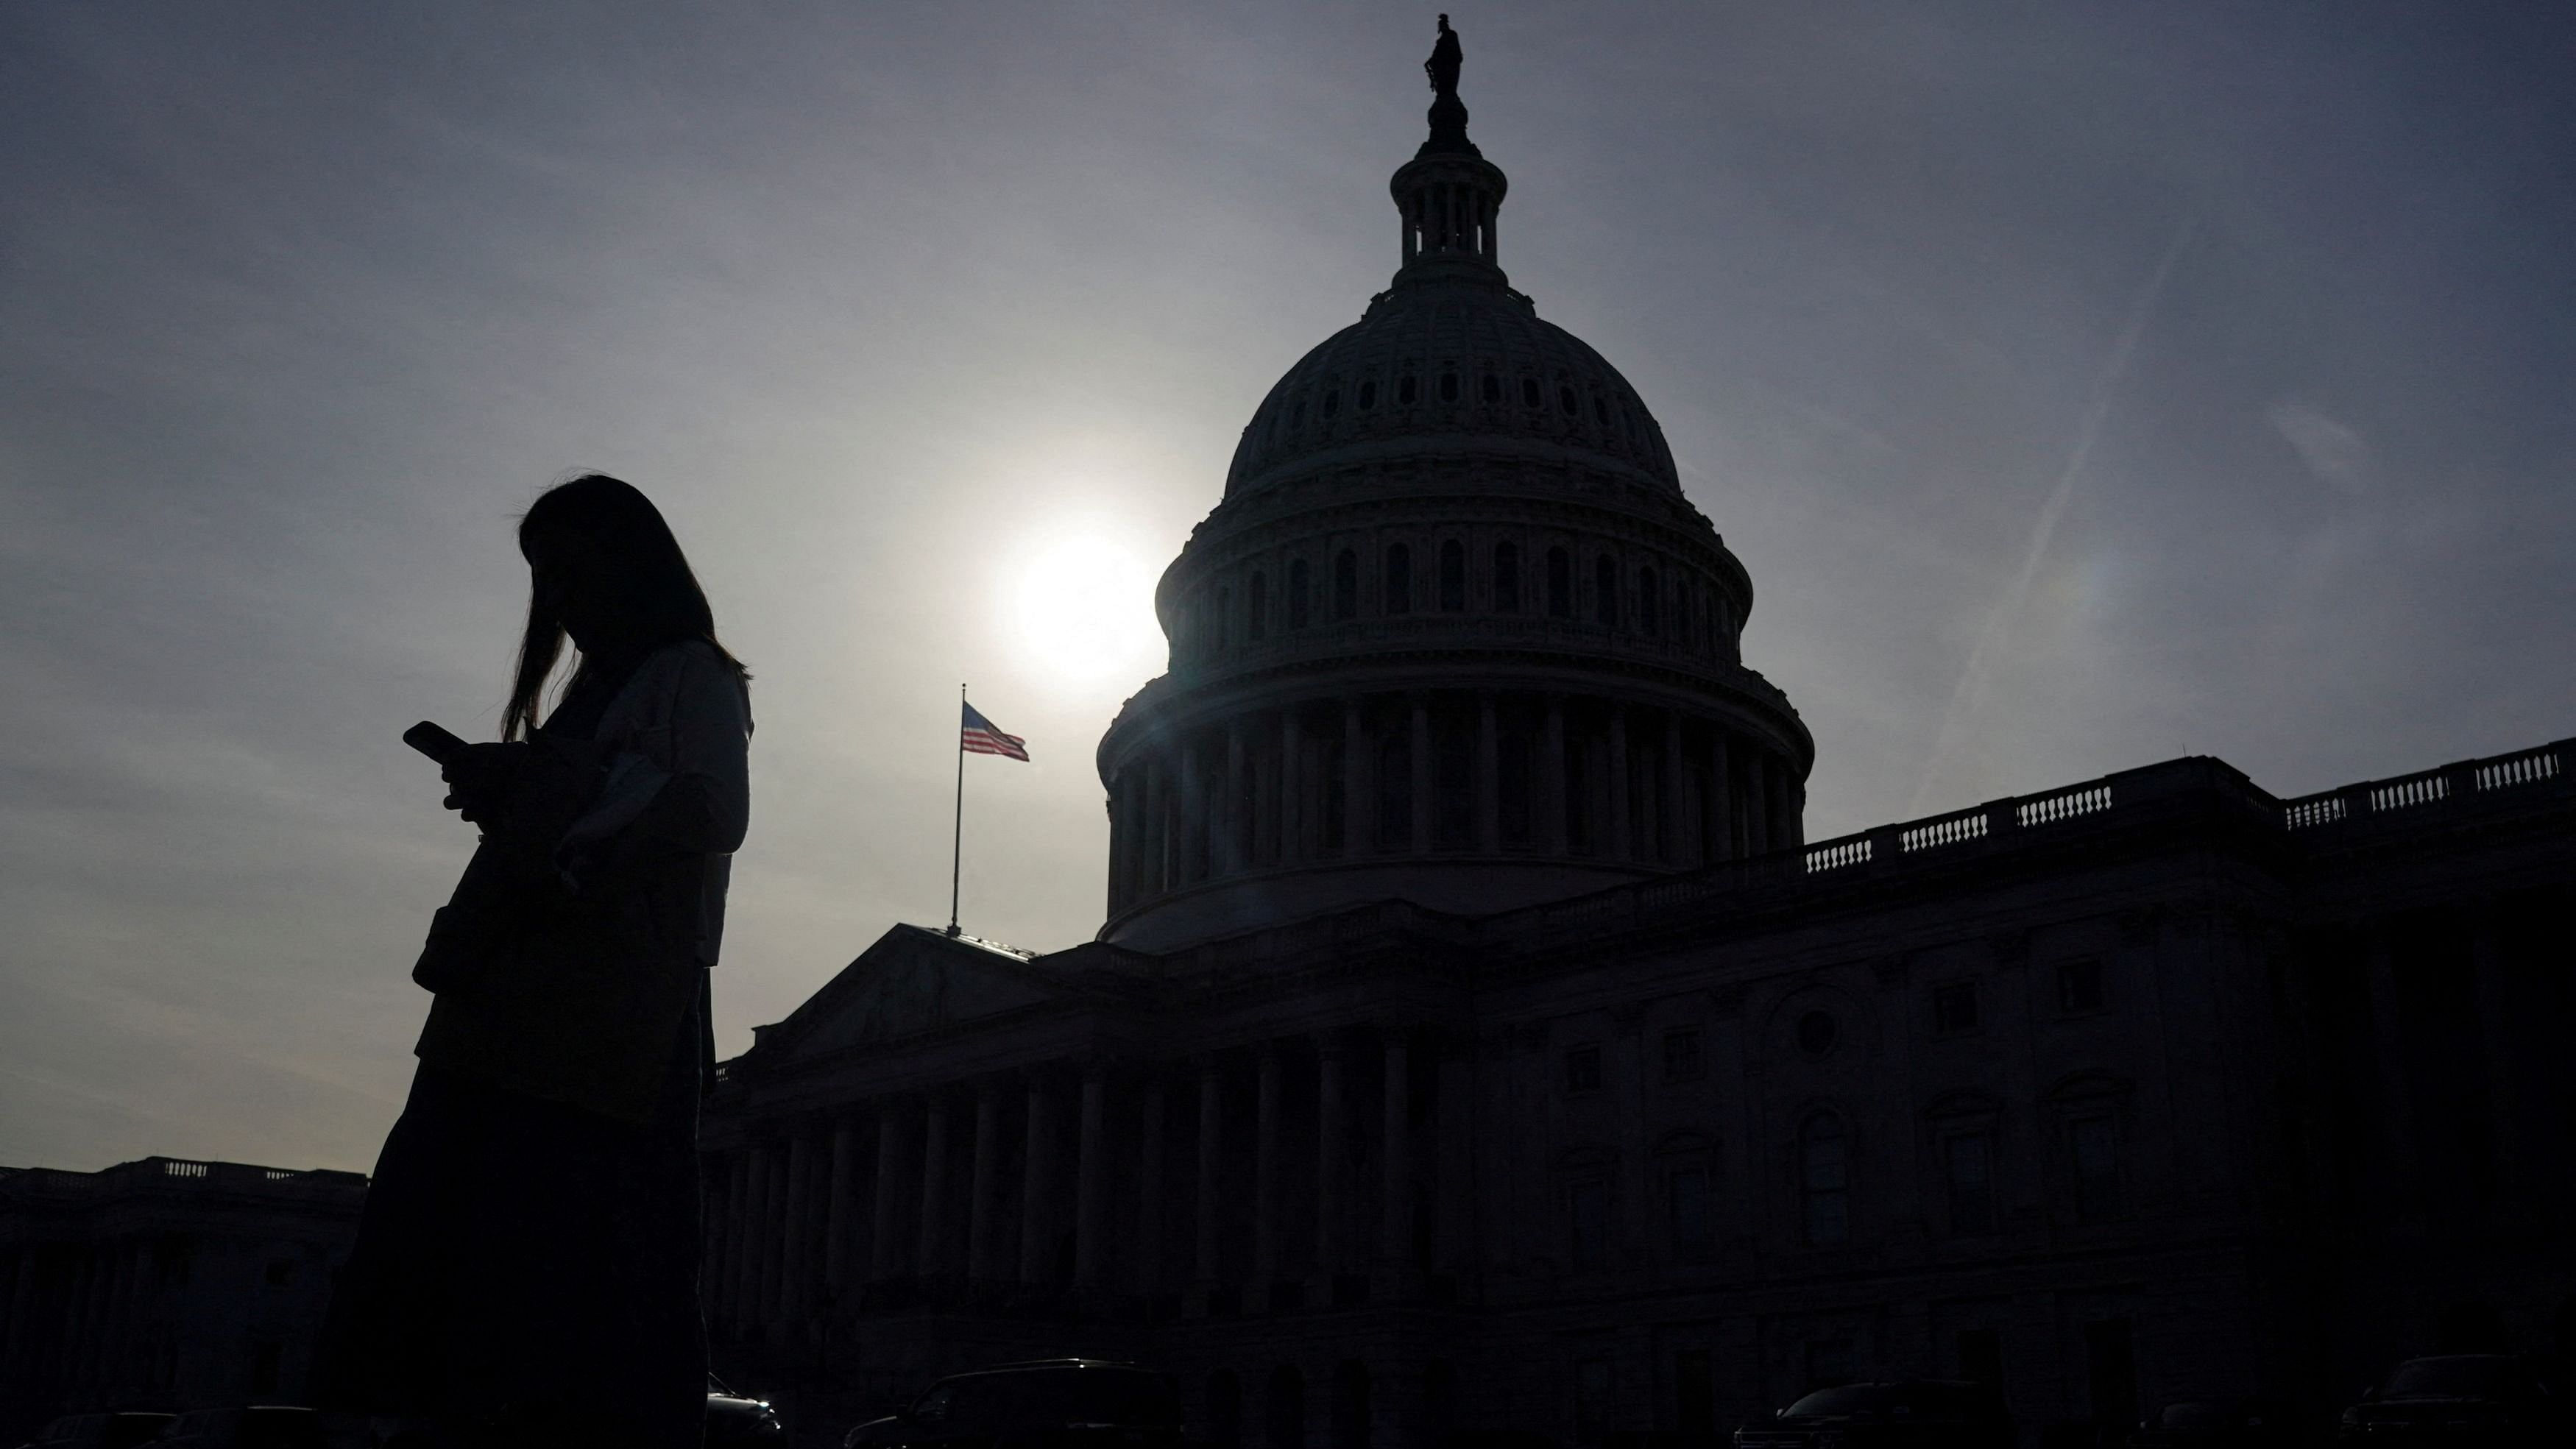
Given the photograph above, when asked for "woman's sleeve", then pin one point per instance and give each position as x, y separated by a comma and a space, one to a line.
694, 799
705, 807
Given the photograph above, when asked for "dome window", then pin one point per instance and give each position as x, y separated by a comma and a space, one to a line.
1650, 621
1296, 593
1404, 390
1600, 409
1529, 392
1258, 597
1332, 401
1560, 584
1605, 591
1493, 390
1297, 414
1565, 400
1399, 579
1453, 577
1368, 395
1507, 579
1448, 387
1346, 585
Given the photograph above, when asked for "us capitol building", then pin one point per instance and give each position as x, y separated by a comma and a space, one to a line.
1475, 1039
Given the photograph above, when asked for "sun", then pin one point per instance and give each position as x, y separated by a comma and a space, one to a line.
1084, 609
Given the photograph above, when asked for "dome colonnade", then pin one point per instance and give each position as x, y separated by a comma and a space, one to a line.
1454, 635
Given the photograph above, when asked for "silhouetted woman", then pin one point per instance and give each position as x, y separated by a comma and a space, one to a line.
527, 1267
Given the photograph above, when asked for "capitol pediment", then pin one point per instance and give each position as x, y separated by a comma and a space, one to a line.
911, 982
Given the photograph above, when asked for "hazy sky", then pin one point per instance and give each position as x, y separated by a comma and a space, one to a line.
2083, 385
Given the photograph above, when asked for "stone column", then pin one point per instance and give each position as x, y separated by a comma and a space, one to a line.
747, 1248
1677, 842
1234, 815
1153, 879
1265, 1170
1211, 1161
885, 1249
1785, 826
1395, 1202
1292, 775
1623, 846
1091, 1182
1551, 777
2492, 979
1421, 762
1357, 822
1149, 1254
796, 1259
1332, 1154
2399, 1168
1122, 838
1036, 1215
1721, 795
1193, 815
841, 1217
737, 1228
1757, 799
984, 1226
773, 1216
930, 1248
1489, 784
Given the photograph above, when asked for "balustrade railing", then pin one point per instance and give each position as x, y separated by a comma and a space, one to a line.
1997, 822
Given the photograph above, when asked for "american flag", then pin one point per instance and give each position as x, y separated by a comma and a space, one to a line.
981, 738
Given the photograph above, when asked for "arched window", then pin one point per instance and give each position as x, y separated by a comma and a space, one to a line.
1605, 591
1448, 387
1453, 576
1224, 1410
1824, 1181
1440, 1396
1346, 585
1529, 392
1600, 410
1512, 784
1224, 607
1284, 1410
1453, 782
1560, 584
1404, 389
1650, 613
1297, 593
1368, 394
1399, 579
1493, 389
1565, 400
1350, 1405
1507, 578
1258, 595
1587, 1222
1395, 790
1332, 401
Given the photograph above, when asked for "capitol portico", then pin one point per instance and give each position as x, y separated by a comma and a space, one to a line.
1474, 1039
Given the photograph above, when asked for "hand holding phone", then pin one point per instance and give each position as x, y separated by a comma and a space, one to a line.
435, 742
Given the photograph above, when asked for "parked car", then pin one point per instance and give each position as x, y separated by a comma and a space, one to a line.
1912, 1414
2462, 1398
1050, 1404
734, 1420
254, 1426
2217, 1424
100, 1431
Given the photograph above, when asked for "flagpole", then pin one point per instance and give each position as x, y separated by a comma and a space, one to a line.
957, 840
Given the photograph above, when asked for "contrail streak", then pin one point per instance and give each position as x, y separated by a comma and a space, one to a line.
1973, 676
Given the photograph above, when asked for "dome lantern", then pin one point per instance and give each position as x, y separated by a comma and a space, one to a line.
1448, 193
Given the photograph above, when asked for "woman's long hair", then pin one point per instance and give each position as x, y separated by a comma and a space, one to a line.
660, 594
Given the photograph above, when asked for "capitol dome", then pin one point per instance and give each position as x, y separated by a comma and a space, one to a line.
1453, 635
1451, 361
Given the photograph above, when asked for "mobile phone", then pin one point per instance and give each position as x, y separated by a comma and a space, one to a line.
434, 742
